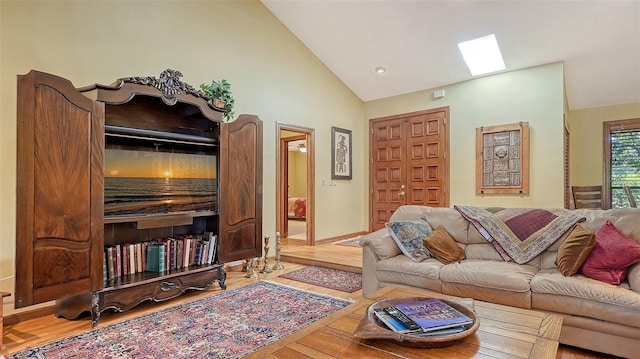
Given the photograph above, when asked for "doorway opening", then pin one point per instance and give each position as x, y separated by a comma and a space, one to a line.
295, 184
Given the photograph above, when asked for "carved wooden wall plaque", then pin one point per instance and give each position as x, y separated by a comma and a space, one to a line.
502, 159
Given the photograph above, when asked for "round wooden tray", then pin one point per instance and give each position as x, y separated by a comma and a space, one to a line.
372, 328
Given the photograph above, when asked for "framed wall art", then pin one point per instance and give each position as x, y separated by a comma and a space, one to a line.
502, 159
341, 153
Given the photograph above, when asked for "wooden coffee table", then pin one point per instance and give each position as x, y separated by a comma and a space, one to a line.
505, 332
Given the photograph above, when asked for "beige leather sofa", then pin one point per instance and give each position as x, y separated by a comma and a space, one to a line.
596, 315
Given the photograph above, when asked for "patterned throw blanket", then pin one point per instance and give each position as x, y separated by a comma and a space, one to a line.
520, 234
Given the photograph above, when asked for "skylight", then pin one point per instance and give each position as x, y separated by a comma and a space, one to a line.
482, 55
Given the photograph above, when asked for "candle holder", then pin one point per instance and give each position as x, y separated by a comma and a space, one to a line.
266, 268
278, 265
251, 272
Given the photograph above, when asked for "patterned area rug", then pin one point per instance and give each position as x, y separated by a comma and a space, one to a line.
326, 277
351, 242
230, 324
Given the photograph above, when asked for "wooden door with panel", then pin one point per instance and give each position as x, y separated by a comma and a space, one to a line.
387, 175
427, 170
409, 163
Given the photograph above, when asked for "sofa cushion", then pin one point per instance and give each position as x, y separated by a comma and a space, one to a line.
443, 247
574, 250
490, 274
481, 251
408, 235
402, 270
588, 297
612, 256
634, 278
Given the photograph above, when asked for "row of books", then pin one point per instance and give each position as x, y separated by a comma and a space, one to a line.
423, 318
159, 255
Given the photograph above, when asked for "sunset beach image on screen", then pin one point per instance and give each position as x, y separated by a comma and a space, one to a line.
147, 182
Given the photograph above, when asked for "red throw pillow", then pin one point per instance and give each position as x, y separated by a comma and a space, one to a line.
612, 255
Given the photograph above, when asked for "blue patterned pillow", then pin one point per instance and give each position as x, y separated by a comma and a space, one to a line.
408, 235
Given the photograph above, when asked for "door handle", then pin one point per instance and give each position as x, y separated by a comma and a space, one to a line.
401, 193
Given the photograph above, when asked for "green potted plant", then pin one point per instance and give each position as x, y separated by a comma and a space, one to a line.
220, 90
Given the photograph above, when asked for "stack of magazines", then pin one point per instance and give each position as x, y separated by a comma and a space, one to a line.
423, 318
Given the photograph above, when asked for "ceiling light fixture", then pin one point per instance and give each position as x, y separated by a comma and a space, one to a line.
302, 148
380, 70
482, 55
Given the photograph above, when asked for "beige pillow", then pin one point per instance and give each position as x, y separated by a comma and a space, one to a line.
575, 249
381, 243
443, 246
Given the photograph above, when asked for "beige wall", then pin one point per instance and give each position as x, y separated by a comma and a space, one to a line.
272, 75
586, 140
297, 174
534, 95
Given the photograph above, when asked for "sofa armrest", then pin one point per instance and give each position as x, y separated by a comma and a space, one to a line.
634, 278
381, 243
370, 282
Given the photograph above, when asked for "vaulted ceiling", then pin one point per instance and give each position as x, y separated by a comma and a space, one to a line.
416, 41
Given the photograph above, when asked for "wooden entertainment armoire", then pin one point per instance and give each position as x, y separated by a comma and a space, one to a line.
62, 231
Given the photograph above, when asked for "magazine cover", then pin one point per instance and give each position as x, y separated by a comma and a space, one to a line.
433, 314
393, 323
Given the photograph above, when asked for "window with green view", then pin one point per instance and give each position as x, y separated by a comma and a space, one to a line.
625, 166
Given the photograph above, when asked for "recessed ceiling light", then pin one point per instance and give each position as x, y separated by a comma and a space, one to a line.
482, 55
380, 70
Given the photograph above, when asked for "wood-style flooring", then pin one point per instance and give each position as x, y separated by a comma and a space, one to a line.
33, 332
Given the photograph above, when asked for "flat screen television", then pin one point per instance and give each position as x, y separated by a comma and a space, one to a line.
147, 182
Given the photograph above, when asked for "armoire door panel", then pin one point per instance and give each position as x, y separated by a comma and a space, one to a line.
47, 256
60, 190
240, 186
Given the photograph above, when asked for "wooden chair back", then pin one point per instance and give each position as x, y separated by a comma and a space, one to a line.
587, 197
632, 199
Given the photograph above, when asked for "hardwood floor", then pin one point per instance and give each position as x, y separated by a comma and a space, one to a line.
44, 329
324, 255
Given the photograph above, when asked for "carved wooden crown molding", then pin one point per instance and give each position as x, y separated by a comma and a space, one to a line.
169, 84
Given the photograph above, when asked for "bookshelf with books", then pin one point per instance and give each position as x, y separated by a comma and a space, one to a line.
95, 256
159, 256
